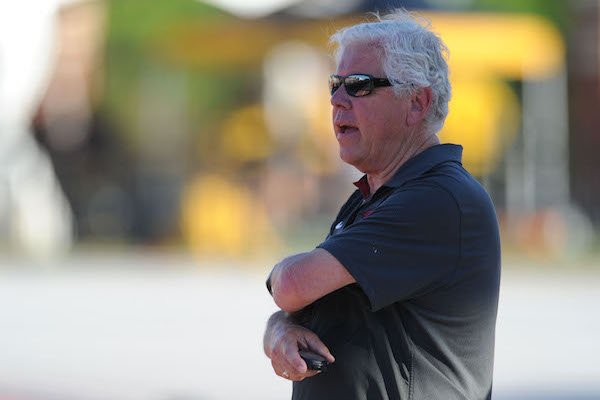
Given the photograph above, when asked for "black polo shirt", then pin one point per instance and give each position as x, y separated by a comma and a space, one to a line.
419, 323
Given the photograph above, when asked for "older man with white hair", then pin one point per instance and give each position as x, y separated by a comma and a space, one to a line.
400, 300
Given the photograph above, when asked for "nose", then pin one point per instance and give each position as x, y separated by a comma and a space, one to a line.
340, 98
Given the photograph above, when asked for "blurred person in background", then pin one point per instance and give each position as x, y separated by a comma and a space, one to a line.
401, 297
34, 214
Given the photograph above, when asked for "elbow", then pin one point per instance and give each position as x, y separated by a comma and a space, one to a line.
286, 293
288, 304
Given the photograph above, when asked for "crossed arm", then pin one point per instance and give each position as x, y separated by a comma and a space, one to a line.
299, 280
296, 282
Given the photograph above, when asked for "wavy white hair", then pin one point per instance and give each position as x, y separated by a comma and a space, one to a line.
413, 57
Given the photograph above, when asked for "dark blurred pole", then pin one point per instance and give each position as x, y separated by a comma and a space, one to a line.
584, 79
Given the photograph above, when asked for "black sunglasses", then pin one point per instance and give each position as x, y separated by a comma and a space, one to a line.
357, 85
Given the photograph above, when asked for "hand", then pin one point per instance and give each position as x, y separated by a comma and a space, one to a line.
283, 339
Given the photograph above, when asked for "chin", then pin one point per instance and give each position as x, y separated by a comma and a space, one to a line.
350, 158
345, 156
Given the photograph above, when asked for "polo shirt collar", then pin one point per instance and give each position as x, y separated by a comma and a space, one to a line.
417, 166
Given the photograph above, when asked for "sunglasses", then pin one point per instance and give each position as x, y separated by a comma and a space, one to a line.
357, 85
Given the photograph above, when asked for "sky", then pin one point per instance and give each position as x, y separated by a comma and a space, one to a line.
254, 8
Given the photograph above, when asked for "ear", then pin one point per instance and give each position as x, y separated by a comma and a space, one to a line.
419, 105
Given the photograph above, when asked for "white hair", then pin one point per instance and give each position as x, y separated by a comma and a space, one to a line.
414, 57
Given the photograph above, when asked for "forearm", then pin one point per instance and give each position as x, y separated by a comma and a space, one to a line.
299, 280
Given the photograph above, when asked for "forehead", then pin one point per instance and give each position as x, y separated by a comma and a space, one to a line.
361, 57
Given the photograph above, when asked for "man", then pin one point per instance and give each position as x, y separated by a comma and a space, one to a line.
404, 290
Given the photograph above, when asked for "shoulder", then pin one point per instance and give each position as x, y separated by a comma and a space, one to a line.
424, 196
457, 183
453, 184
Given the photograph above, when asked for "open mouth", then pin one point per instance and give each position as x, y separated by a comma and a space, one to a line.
345, 128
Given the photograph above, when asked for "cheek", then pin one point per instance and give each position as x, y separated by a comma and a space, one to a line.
390, 123
367, 118
394, 120
379, 119
375, 125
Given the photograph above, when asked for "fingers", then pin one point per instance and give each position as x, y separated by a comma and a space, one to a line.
290, 360
282, 348
291, 375
316, 345
285, 351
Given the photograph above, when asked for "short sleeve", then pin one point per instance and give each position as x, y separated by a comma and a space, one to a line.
408, 245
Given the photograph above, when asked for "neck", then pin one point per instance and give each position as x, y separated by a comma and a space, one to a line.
409, 150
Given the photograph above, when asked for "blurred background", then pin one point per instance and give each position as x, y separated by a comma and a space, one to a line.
158, 157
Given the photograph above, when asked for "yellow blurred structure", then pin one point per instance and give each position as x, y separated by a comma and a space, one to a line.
221, 218
495, 113
486, 50
508, 45
244, 137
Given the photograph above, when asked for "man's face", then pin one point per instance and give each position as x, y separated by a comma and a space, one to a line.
370, 129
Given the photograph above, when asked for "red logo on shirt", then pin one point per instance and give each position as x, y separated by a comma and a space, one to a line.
365, 214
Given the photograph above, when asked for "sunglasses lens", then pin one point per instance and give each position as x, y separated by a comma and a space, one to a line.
358, 85
334, 83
